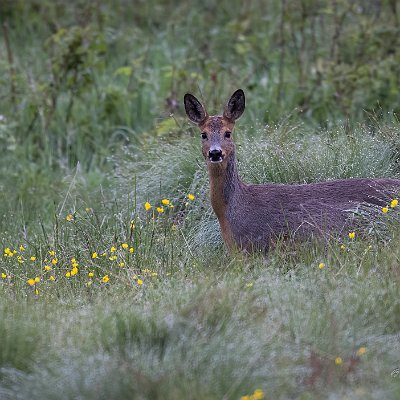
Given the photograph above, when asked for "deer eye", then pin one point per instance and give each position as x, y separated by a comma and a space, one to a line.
204, 135
227, 135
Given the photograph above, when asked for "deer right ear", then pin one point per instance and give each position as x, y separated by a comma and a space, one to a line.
194, 109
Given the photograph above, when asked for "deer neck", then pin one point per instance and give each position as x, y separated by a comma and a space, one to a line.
224, 185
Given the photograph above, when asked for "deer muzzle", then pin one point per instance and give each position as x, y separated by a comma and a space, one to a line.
215, 155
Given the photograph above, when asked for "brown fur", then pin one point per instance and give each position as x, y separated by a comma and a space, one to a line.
254, 216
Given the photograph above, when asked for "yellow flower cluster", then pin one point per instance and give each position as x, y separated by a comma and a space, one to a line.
145, 273
9, 253
19, 256
54, 267
74, 269
393, 204
338, 361
257, 395
361, 351
164, 202
69, 217
33, 281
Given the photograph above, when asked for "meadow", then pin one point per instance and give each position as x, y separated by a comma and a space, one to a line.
115, 283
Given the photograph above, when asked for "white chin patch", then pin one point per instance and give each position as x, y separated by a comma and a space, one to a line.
216, 161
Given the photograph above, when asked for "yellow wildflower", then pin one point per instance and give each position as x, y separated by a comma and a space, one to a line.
121, 264
394, 203
165, 202
249, 285
37, 279
385, 209
352, 235
33, 258
47, 268
343, 247
88, 209
191, 197
52, 278
69, 217
90, 274
20, 259
112, 258
36, 292
147, 206
74, 271
321, 265
68, 274
54, 261
113, 249
88, 283
52, 253
338, 361
21, 247
258, 395
94, 255
160, 209
124, 245
105, 278
31, 282
3, 275
131, 250
361, 351
139, 282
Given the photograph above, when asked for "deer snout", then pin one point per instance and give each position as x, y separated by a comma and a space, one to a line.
215, 155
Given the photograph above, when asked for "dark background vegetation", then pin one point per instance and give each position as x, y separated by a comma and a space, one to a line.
78, 75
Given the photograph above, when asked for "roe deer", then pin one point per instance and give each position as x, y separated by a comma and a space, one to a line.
254, 216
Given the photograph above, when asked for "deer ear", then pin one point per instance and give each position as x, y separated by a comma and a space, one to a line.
235, 106
194, 109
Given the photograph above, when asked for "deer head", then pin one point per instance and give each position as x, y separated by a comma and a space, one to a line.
216, 131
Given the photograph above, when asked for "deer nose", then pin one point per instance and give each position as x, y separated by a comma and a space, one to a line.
215, 155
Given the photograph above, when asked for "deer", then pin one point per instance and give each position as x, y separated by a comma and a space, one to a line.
255, 216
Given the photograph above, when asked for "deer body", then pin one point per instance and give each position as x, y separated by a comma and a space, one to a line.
255, 216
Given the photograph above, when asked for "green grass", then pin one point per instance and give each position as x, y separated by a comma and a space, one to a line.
203, 324
93, 127
209, 331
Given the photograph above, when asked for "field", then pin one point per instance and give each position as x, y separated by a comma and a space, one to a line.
115, 283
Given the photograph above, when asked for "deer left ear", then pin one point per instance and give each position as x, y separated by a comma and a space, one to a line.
235, 106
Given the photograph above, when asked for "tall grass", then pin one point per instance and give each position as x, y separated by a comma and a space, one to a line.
201, 324
100, 298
